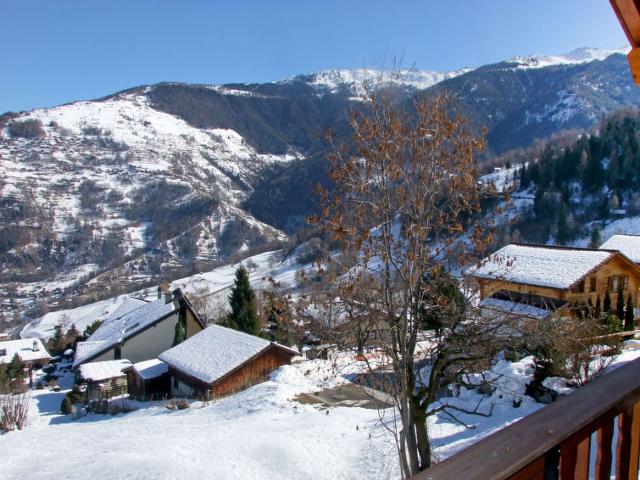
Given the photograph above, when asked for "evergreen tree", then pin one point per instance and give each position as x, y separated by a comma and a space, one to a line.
16, 367
66, 407
598, 309
56, 342
593, 174
563, 226
595, 240
91, 328
179, 333
242, 300
72, 335
620, 305
607, 303
629, 315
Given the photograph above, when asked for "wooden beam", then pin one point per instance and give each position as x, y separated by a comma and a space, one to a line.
628, 13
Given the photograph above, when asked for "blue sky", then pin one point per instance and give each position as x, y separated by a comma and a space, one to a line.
59, 51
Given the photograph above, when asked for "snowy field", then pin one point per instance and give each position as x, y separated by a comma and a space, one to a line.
262, 432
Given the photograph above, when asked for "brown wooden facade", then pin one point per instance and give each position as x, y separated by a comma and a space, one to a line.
151, 389
253, 371
617, 272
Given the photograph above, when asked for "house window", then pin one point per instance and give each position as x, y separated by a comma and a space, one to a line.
3, 352
579, 288
117, 353
592, 284
614, 283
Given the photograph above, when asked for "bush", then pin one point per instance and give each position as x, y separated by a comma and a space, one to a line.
31, 128
183, 403
66, 407
75, 395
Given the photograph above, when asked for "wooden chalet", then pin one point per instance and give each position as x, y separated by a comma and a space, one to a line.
30, 350
140, 331
539, 280
220, 361
148, 380
629, 245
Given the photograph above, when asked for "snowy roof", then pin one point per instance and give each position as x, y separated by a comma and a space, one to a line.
514, 308
97, 371
28, 349
123, 325
151, 368
554, 267
629, 245
215, 351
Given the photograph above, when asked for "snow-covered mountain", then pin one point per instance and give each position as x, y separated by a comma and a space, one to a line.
356, 80
575, 57
156, 182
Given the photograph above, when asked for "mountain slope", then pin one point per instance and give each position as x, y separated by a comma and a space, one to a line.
162, 180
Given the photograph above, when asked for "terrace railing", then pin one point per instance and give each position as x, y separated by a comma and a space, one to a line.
594, 433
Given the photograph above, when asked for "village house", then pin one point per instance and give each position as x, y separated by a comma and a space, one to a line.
629, 245
30, 350
139, 332
538, 280
220, 361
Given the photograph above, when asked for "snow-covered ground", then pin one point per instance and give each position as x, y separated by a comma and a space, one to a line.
262, 432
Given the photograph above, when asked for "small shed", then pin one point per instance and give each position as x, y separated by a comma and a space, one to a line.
220, 361
104, 379
148, 380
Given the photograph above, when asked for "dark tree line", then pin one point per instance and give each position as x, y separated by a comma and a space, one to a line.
588, 180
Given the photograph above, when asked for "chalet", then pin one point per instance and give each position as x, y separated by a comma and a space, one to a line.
104, 379
629, 245
148, 380
220, 361
140, 332
538, 280
30, 350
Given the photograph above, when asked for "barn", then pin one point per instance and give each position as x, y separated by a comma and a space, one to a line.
219, 361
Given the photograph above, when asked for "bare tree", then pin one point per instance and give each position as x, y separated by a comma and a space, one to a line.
14, 405
578, 349
402, 210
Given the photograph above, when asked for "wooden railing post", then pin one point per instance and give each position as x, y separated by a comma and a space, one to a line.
552, 464
602, 469
628, 444
554, 442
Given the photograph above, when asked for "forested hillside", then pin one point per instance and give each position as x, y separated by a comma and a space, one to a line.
579, 182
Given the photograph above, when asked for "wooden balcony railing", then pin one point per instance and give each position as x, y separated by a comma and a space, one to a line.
592, 433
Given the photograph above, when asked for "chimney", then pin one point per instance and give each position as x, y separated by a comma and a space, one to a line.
159, 292
177, 297
35, 346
